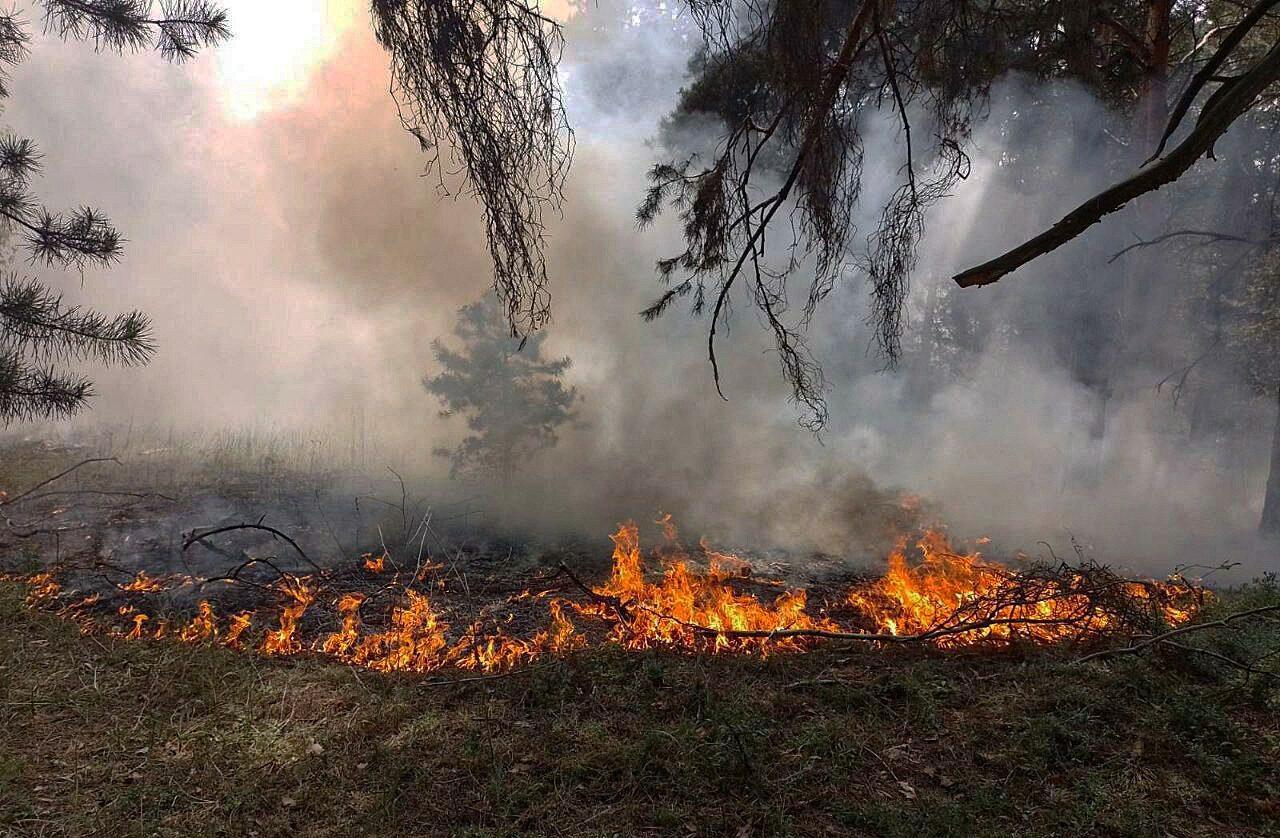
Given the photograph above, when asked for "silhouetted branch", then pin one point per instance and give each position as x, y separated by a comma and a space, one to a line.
1210, 235
11, 501
1190, 628
1233, 99
479, 77
197, 536
1208, 72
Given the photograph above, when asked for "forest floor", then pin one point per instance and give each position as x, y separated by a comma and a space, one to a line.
99, 735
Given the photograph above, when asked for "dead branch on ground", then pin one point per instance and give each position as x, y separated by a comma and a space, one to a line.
196, 536
1190, 628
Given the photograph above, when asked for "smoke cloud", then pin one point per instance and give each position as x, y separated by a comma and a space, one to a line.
299, 263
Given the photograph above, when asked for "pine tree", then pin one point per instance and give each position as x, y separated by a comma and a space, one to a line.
513, 398
40, 335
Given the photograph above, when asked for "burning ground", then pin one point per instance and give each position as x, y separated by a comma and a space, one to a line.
676, 689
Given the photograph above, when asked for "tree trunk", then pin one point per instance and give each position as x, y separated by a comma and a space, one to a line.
1271, 508
1153, 95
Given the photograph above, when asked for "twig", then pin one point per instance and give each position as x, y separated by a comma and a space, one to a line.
1247, 668
139, 495
196, 536
11, 501
1210, 235
617, 605
445, 682
1137, 648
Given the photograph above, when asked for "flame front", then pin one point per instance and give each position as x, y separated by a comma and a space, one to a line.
930, 592
283, 640
959, 598
690, 609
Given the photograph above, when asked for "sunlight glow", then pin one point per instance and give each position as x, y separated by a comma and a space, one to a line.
274, 48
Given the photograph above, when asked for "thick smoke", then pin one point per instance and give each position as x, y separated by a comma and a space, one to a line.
298, 265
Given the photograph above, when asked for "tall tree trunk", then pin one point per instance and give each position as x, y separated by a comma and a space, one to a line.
1154, 92
1138, 318
1271, 507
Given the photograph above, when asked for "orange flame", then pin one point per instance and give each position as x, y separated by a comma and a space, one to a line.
203, 627
930, 591
415, 641
144, 583
282, 641
138, 620
689, 609
960, 599
237, 626
44, 589
340, 643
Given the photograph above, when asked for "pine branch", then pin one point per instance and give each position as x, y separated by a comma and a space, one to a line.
34, 321
13, 47
28, 392
180, 30
65, 239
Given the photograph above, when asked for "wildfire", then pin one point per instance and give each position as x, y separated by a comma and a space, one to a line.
931, 592
144, 583
959, 598
44, 588
691, 609
282, 641
203, 628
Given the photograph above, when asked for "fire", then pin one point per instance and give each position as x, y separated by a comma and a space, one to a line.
144, 583
138, 621
415, 641
690, 609
959, 598
237, 626
44, 588
931, 592
340, 643
203, 628
282, 641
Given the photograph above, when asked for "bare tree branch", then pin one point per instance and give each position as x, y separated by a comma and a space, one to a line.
1228, 103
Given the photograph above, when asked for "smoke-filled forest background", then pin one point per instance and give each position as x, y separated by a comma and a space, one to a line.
298, 266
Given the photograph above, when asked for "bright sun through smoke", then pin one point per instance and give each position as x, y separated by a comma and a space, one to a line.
276, 44
274, 48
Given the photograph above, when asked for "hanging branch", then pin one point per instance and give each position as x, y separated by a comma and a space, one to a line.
477, 80
725, 229
808, 88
